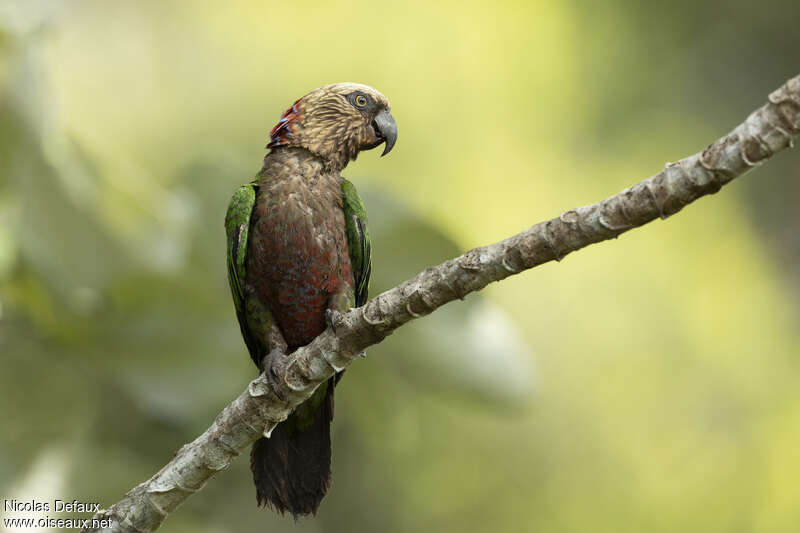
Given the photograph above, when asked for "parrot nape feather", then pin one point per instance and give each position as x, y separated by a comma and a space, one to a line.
299, 247
282, 131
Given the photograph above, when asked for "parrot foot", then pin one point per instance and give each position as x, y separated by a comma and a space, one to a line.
275, 384
331, 317
273, 380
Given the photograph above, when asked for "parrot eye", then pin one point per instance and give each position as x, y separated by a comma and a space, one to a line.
360, 101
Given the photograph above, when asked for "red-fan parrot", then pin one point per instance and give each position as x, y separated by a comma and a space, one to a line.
299, 248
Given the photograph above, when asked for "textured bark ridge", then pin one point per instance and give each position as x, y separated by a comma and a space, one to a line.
257, 410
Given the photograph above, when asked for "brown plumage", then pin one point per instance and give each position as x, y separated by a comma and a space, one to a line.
298, 265
326, 123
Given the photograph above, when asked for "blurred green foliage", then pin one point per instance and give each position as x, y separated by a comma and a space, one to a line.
645, 384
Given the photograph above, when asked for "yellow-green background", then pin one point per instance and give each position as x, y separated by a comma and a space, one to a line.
650, 384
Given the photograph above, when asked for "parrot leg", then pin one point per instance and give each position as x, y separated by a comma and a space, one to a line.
331, 317
267, 363
276, 355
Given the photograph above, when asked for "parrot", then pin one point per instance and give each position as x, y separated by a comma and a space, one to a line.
298, 250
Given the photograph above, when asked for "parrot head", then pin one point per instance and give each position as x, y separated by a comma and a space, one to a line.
336, 122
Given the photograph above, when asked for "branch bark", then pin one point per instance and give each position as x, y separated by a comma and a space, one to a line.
258, 410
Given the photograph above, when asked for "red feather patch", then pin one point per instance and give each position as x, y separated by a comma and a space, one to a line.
283, 131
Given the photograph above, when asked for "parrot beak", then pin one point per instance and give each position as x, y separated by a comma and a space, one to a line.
385, 126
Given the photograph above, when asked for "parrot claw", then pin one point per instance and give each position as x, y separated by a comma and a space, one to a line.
274, 384
273, 380
330, 319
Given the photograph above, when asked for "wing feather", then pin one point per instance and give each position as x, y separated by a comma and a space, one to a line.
358, 240
237, 229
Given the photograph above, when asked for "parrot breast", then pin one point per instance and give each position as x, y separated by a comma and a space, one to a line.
298, 257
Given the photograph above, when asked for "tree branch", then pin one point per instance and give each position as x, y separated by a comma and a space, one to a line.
258, 410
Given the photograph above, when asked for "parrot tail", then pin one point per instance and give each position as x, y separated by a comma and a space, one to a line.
292, 468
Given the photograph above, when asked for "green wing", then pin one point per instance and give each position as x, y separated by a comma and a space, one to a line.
357, 240
237, 228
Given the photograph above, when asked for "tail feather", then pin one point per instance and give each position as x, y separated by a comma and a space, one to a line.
292, 468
